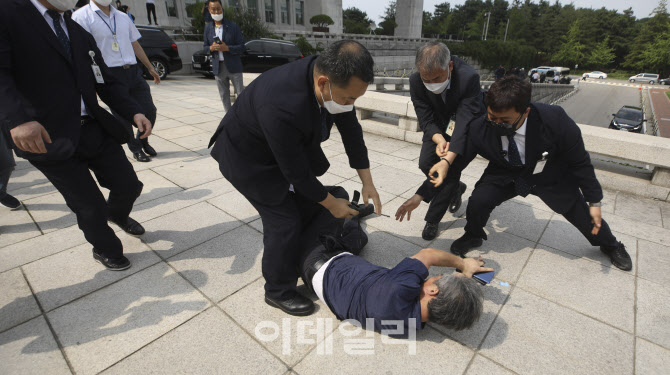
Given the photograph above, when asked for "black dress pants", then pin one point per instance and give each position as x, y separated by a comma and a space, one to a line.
488, 196
139, 90
287, 227
151, 8
439, 197
99, 153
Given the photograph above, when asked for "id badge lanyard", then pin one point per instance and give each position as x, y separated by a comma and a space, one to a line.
115, 43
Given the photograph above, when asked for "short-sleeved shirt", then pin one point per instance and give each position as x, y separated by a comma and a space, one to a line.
102, 27
356, 289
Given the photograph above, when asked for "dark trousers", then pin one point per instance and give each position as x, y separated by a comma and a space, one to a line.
287, 227
487, 196
439, 197
151, 8
139, 90
344, 236
99, 153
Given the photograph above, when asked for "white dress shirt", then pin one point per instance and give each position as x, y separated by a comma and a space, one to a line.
218, 30
43, 11
102, 27
519, 139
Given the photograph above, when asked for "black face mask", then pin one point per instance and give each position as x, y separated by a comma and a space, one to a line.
503, 129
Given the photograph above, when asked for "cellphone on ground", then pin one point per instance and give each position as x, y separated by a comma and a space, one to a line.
484, 277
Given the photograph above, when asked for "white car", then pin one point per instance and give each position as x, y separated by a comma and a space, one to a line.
600, 75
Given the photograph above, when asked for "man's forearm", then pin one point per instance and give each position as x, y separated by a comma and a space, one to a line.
139, 52
445, 259
365, 176
438, 138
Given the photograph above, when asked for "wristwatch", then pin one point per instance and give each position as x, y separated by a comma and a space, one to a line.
599, 204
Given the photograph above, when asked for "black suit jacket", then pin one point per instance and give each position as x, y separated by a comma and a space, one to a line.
463, 99
568, 168
271, 137
38, 82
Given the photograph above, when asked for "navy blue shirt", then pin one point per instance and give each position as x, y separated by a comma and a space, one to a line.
356, 289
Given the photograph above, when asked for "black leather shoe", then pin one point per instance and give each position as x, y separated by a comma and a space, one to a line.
130, 226
298, 305
430, 231
149, 150
112, 264
464, 244
458, 198
10, 202
619, 256
141, 156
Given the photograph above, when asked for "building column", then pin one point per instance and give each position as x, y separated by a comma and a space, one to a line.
409, 17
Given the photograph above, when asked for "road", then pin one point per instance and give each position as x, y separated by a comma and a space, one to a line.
594, 103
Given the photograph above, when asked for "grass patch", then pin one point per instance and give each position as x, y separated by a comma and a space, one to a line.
667, 93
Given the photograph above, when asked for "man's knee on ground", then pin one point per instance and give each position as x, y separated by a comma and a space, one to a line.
458, 304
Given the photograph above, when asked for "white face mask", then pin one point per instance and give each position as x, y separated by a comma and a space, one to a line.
63, 5
334, 108
438, 88
104, 3
217, 17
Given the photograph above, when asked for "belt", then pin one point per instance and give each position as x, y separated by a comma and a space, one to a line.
86, 120
127, 66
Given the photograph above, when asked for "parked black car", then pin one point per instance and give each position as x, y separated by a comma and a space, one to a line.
259, 56
161, 50
664, 81
628, 118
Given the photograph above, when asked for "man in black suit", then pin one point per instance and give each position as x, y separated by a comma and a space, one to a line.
537, 149
269, 147
50, 73
444, 87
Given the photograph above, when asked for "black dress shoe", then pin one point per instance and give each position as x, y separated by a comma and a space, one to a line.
112, 264
458, 198
149, 150
141, 156
464, 244
619, 256
10, 202
298, 305
430, 231
130, 226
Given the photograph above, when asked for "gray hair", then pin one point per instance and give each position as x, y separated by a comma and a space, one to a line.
458, 303
433, 55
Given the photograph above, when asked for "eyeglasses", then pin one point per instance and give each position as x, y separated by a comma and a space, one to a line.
503, 125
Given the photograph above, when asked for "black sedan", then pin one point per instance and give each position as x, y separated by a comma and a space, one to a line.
161, 50
259, 55
664, 81
628, 118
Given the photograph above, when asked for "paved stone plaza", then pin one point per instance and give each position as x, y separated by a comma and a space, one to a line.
192, 303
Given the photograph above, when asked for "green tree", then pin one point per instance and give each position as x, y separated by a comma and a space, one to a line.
639, 58
388, 25
571, 51
355, 21
656, 55
321, 20
602, 56
250, 24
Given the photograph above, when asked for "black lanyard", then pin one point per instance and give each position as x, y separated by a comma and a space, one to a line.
103, 20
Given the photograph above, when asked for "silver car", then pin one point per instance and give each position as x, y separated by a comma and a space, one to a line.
645, 78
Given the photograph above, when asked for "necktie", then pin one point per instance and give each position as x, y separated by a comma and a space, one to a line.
325, 132
60, 33
520, 185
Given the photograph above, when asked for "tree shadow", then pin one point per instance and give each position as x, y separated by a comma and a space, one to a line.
122, 314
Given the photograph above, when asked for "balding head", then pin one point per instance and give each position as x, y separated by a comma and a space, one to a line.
433, 55
345, 59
